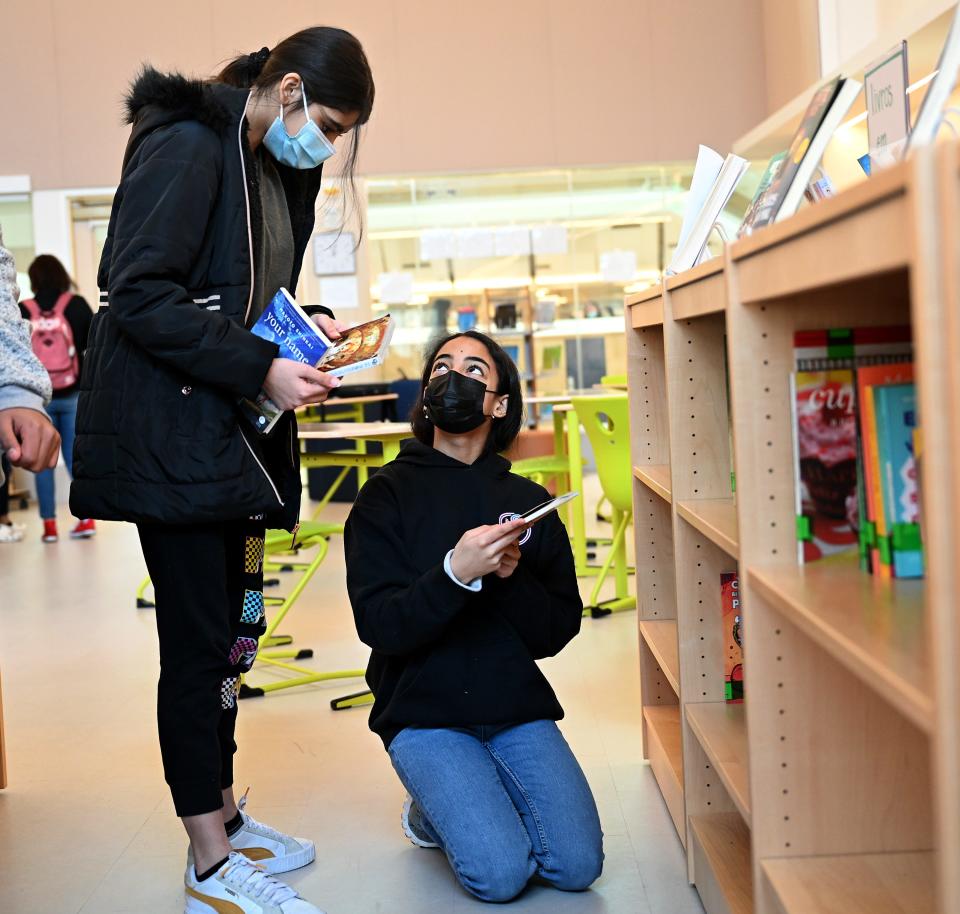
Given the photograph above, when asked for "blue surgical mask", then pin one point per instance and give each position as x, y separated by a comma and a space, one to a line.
308, 149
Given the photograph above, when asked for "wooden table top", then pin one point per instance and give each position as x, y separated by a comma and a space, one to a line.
320, 431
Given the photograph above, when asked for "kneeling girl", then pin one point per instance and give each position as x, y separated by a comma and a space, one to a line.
458, 601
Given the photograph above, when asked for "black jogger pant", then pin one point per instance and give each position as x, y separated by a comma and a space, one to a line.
208, 588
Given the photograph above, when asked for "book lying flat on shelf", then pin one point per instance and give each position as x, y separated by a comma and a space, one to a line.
285, 323
732, 637
823, 115
692, 249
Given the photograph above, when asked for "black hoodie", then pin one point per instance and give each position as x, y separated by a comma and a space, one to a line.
442, 655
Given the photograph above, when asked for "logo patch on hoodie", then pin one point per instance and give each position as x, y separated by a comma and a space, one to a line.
508, 516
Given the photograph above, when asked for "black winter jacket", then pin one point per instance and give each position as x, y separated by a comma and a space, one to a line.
159, 437
442, 655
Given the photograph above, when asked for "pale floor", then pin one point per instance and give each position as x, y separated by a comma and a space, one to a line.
86, 824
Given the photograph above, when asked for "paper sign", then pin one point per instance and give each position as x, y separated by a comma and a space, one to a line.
512, 242
550, 239
475, 243
339, 292
438, 244
618, 266
396, 288
334, 253
888, 106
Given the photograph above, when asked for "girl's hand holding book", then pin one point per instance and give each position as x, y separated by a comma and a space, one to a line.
484, 550
292, 384
330, 326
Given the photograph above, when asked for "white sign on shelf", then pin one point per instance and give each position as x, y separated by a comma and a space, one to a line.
512, 241
475, 243
396, 288
438, 244
550, 239
334, 253
888, 106
339, 292
618, 266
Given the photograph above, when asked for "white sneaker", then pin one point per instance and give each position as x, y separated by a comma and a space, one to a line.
11, 533
411, 820
272, 850
242, 887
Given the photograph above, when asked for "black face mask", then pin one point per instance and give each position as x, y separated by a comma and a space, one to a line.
453, 402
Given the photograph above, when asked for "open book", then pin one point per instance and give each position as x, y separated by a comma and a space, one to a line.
285, 323
714, 181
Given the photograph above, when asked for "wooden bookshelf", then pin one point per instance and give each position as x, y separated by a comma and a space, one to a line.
721, 730
657, 478
715, 518
855, 884
666, 761
834, 787
646, 308
661, 639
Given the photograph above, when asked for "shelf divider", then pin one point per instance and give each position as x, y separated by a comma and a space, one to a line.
661, 638
722, 867
656, 477
666, 758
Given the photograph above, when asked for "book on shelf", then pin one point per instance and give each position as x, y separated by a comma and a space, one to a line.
930, 117
869, 479
898, 530
888, 106
298, 338
827, 440
823, 115
692, 247
732, 636
766, 179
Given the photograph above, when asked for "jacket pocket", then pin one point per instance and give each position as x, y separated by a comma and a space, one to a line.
204, 413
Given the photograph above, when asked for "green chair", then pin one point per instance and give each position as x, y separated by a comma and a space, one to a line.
607, 423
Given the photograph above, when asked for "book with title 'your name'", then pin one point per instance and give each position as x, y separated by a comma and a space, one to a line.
285, 323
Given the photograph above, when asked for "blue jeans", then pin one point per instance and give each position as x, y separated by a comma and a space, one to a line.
63, 415
505, 804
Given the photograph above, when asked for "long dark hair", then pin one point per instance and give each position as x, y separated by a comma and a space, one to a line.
49, 276
504, 431
335, 73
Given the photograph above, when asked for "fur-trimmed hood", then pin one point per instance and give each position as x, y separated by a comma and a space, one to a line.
170, 97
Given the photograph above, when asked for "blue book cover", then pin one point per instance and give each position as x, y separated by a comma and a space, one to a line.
896, 408
285, 323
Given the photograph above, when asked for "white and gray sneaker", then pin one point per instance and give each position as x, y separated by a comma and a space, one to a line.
242, 887
272, 850
411, 819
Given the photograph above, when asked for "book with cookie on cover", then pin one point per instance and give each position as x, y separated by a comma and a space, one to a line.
298, 338
732, 636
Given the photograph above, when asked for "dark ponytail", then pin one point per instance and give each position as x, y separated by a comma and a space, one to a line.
335, 73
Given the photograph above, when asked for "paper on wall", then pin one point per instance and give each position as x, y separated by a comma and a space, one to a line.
512, 241
618, 266
438, 244
334, 253
339, 292
396, 288
475, 243
550, 239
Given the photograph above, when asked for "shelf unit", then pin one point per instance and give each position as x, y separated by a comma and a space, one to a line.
834, 787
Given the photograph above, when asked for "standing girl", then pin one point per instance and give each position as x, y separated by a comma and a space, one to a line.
61, 321
213, 214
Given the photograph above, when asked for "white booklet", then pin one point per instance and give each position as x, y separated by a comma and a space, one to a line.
690, 250
705, 172
928, 121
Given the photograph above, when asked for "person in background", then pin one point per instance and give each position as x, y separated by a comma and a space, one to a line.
458, 601
27, 437
61, 322
213, 214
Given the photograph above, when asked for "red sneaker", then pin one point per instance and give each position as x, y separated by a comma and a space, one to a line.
50, 534
84, 530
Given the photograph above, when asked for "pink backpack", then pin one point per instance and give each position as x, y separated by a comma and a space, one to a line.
53, 341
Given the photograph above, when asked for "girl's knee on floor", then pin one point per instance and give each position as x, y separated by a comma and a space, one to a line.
496, 879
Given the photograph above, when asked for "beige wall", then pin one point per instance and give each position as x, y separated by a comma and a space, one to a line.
505, 83
791, 36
